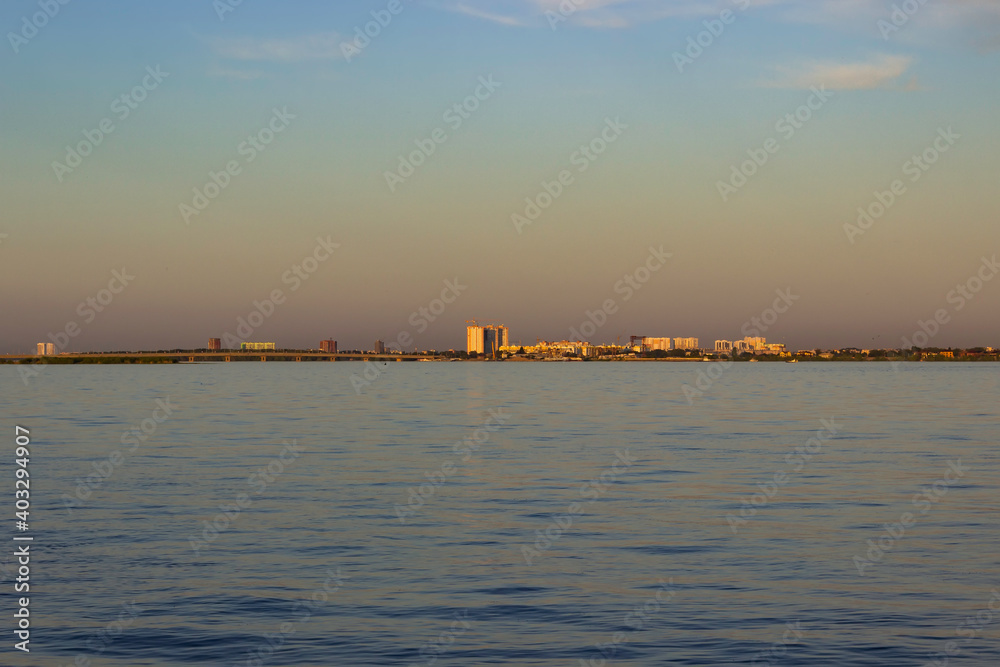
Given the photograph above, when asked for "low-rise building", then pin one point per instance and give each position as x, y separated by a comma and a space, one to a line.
257, 347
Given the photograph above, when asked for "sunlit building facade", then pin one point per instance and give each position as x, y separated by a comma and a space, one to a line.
486, 339
686, 343
257, 347
651, 344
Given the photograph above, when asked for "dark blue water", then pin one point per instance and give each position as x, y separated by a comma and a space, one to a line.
570, 514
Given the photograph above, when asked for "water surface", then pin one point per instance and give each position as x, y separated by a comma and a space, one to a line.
340, 543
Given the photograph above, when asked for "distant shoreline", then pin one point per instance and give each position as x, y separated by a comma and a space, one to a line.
311, 356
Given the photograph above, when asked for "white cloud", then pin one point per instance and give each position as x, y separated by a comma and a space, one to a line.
495, 18
882, 71
850, 15
319, 46
589, 13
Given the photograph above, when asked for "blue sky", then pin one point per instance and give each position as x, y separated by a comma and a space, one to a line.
349, 119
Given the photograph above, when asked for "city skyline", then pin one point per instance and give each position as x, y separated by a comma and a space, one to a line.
192, 161
492, 340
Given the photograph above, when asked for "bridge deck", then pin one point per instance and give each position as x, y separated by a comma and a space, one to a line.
228, 356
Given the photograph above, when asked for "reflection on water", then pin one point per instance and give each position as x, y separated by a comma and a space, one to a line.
276, 517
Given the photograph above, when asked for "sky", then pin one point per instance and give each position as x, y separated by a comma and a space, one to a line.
390, 170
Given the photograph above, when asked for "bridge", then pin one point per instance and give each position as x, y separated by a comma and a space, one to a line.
219, 356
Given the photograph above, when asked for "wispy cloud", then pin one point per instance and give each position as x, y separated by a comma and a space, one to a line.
841, 14
488, 16
883, 71
319, 46
587, 13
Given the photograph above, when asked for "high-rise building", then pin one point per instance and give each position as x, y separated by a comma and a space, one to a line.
50, 349
650, 344
475, 339
503, 336
214, 343
686, 343
490, 342
486, 339
41, 349
749, 344
328, 346
379, 347
723, 346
